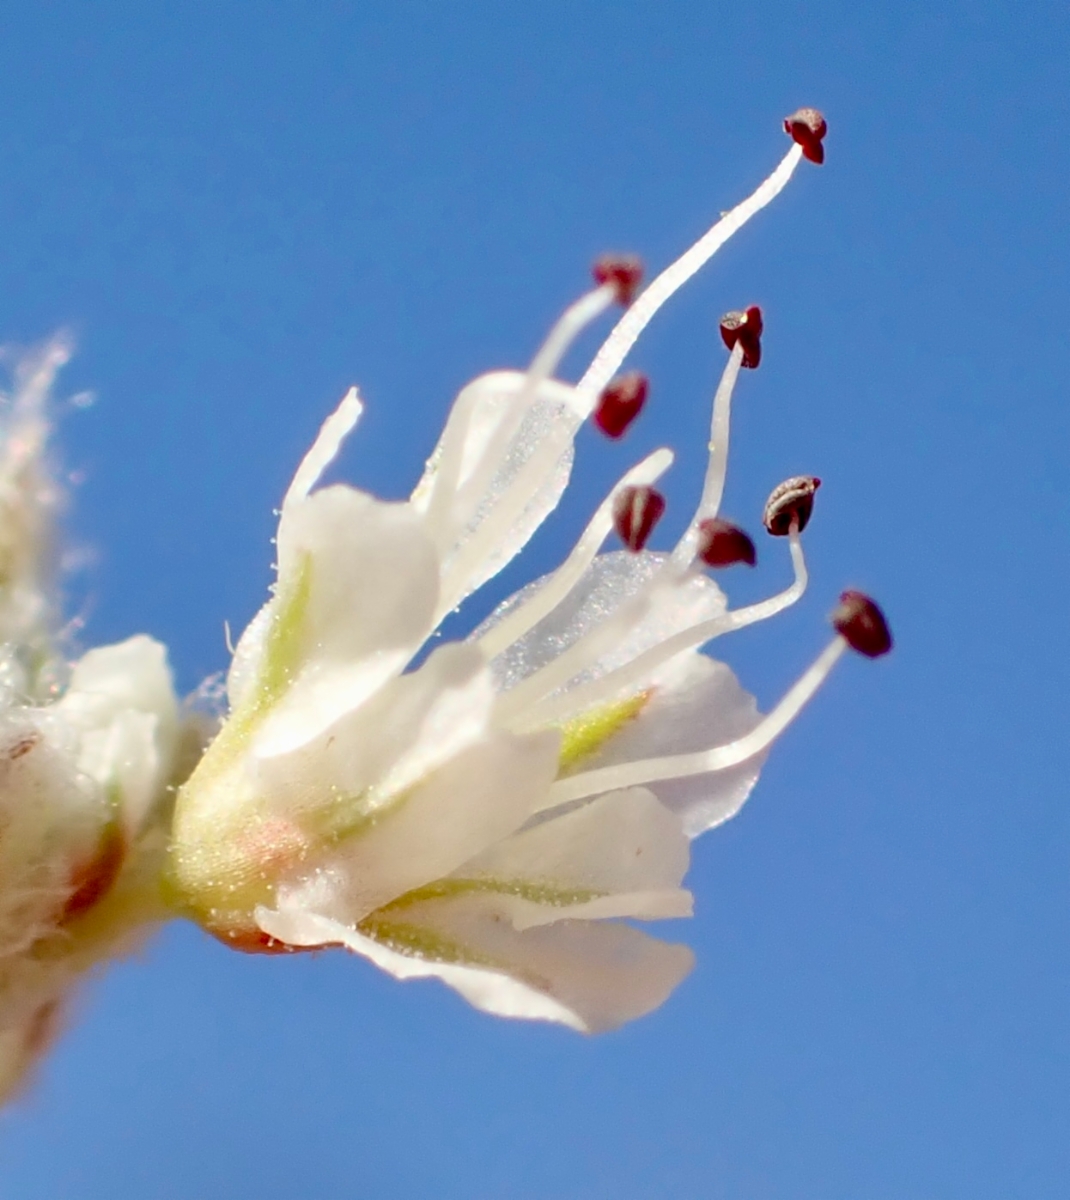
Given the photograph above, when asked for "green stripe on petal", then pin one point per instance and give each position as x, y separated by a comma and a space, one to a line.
420, 942
588, 733
536, 893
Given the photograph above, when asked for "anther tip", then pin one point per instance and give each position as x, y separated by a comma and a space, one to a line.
636, 510
623, 271
745, 327
790, 502
620, 403
807, 127
862, 625
722, 544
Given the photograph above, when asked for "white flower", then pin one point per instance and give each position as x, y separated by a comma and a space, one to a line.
489, 815
87, 755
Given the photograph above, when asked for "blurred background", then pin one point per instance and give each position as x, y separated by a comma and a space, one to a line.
240, 209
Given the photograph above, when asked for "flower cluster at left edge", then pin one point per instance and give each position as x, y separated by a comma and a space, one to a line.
90, 752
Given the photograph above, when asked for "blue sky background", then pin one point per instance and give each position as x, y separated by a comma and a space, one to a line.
243, 208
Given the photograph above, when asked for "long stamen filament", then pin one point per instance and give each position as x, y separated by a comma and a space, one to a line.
719, 758
572, 322
558, 586
634, 674
615, 348
717, 468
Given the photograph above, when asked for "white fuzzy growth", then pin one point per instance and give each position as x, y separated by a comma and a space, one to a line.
30, 499
87, 752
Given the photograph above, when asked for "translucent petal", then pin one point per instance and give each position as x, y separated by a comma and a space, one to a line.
413, 724
703, 706
611, 580
623, 854
476, 798
460, 492
591, 976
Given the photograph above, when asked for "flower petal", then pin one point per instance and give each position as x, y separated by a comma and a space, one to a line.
461, 491
332, 434
589, 976
412, 725
703, 706
365, 607
611, 581
476, 798
622, 855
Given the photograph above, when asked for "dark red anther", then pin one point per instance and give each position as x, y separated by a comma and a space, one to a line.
722, 544
790, 502
861, 624
620, 403
808, 127
623, 271
744, 327
636, 510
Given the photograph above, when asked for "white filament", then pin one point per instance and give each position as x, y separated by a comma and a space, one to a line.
680, 766
558, 585
572, 322
615, 348
717, 467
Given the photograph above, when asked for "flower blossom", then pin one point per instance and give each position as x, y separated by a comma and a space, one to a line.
87, 755
493, 814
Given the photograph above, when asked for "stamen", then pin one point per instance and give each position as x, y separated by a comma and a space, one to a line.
564, 579
861, 624
717, 468
681, 766
572, 322
807, 127
623, 271
615, 348
636, 674
636, 510
722, 544
790, 504
620, 403
745, 329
